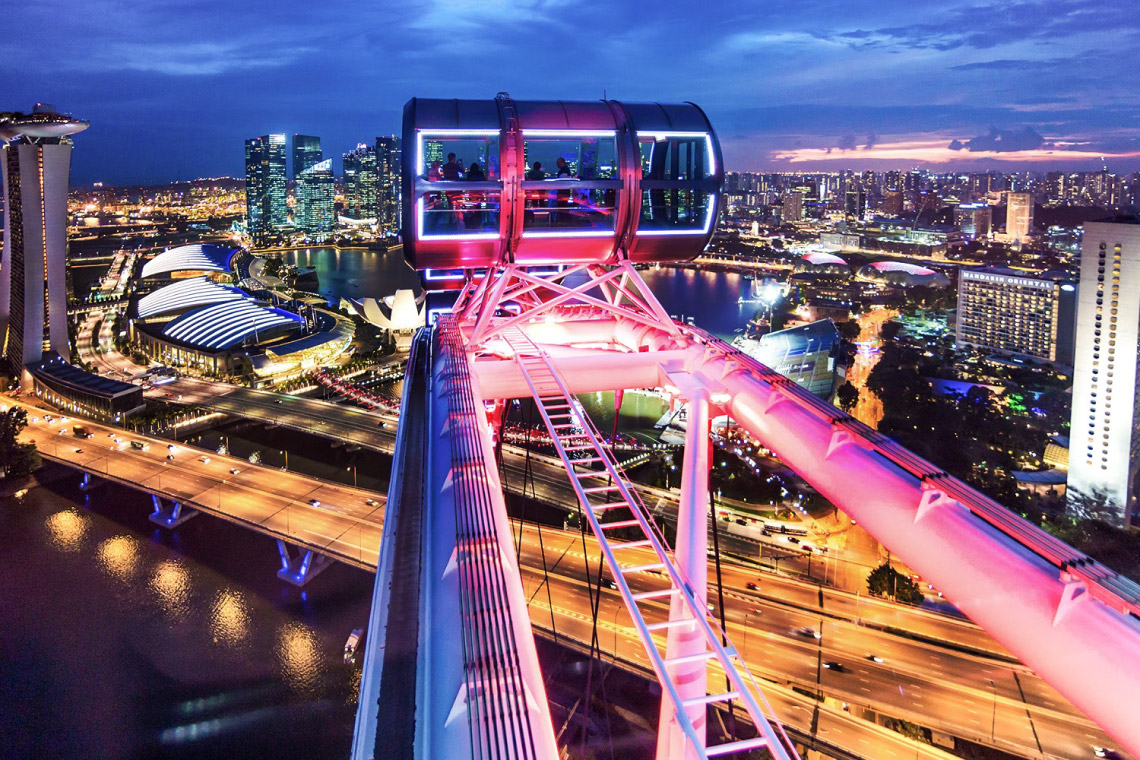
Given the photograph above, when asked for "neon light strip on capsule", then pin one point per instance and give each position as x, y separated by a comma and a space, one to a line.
586, 133
420, 229
420, 135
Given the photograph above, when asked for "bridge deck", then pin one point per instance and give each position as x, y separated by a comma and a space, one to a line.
271, 501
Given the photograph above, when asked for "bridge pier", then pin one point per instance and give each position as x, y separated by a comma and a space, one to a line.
169, 516
301, 567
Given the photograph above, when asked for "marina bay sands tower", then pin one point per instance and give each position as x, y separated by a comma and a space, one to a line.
35, 161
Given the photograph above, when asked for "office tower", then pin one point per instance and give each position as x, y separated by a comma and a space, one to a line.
306, 153
265, 186
1019, 215
35, 161
856, 203
388, 160
1005, 310
893, 203
1103, 434
361, 183
793, 208
316, 192
974, 219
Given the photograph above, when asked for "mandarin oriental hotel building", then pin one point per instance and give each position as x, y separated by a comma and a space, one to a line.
1030, 316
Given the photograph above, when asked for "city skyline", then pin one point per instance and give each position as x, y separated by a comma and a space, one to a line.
968, 86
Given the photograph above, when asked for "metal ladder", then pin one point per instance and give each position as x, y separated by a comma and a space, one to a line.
573, 432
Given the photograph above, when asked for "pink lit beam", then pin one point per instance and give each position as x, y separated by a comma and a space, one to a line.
1080, 646
690, 551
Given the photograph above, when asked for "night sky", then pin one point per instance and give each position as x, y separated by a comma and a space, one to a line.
172, 87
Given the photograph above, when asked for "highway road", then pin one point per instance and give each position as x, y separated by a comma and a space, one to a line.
989, 700
930, 684
342, 524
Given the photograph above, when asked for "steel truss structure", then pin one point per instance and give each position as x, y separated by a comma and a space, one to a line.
593, 328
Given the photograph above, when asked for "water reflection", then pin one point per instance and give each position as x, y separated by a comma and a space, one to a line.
171, 584
229, 618
300, 658
119, 556
67, 529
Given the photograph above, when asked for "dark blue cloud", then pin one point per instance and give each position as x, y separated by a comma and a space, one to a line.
172, 87
1001, 141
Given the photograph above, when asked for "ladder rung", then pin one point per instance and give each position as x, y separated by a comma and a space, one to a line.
601, 489
631, 544
643, 568
656, 594
708, 699
620, 524
578, 448
737, 746
609, 505
685, 659
671, 624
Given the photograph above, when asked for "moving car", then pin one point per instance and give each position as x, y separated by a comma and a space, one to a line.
810, 633
204, 460
836, 666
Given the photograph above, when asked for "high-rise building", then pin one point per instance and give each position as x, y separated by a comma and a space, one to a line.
893, 203
856, 203
1002, 309
974, 219
35, 162
265, 186
1104, 434
306, 153
388, 160
793, 207
361, 183
1018, 215
316, 191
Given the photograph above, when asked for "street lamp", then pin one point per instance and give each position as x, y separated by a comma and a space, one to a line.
353, 468
993, 719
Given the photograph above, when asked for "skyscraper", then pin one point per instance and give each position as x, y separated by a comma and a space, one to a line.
793, 206
974, 219
306, 153
361, 183
1104, 437
388, 159
1002, 309
1019, 215
265, 186
855, 205
315, 196
35, 161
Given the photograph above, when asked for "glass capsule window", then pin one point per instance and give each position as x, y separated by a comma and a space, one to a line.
459, 214
570, 209
675, 209
458, 157
676, 156
568, 156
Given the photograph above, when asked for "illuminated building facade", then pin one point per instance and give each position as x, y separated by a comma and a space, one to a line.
793, 208
265, 186
1103, 435
975, 220
315, 198
388, 159
1005, 310
361, 183
35, 162
1019, 215
306, 153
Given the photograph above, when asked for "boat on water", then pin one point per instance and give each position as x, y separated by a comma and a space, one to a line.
352, 644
